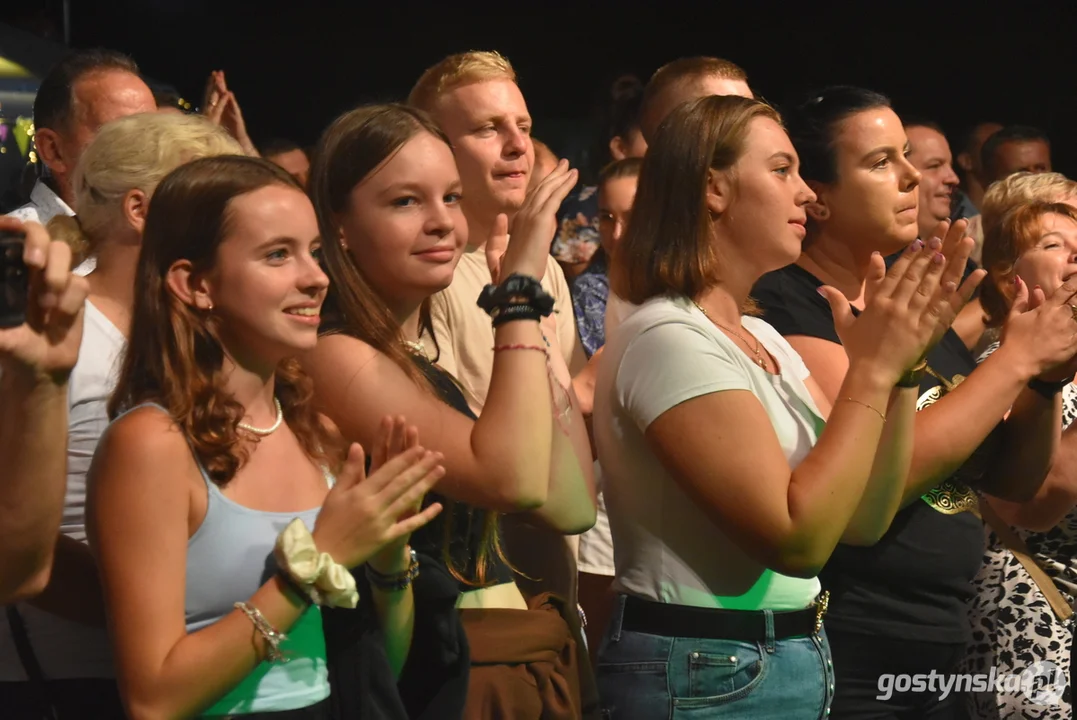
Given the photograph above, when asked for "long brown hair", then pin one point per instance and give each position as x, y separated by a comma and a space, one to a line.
175, 356
355, 144
668, 246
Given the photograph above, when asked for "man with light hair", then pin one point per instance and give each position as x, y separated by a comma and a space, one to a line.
474, 97
687, 79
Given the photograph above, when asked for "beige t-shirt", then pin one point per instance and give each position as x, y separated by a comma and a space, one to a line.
466, 336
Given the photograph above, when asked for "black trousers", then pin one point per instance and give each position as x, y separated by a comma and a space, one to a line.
77, 699
860, 661
92, 699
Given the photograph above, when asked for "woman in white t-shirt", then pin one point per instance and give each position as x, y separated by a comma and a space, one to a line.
64, 658
725, 493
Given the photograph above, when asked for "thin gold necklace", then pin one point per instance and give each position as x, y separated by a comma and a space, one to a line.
759, 359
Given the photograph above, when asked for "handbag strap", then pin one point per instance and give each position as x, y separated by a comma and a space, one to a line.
30, 665
1013, 542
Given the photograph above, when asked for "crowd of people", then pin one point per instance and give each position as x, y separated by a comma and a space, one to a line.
419, 425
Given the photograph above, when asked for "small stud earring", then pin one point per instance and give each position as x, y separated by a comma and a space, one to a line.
210, 308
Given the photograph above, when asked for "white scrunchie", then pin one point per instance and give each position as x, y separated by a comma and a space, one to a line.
326, 582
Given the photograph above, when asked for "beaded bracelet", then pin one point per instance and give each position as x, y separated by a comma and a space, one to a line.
273, 637
561, 398
520, 346
394, 582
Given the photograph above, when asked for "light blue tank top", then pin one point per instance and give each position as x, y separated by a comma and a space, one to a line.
229, 557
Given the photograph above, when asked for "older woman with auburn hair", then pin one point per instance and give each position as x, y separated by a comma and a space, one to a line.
1020, 617
730, 477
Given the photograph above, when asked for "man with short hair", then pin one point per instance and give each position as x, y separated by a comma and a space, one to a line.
290, 157
687, 79
1015, 148
971, 163
929, 152
85, 90
474, 98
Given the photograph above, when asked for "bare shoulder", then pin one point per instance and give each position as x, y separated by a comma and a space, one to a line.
338, 353
143, 440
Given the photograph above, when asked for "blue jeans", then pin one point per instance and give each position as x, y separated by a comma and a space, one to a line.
651, 677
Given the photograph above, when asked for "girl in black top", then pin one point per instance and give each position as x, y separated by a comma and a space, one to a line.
898, 606
387, 192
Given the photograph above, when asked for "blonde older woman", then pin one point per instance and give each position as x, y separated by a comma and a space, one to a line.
1019, 617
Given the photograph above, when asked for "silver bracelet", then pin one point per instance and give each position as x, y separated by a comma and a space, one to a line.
273, 637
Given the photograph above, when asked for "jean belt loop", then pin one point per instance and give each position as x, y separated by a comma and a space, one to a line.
618, 617
768, 616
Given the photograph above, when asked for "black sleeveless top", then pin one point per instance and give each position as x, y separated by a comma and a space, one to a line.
465, 523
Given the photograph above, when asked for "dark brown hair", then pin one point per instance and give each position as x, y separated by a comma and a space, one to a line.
625, 167
54, 102
174, 356
355, 145
1004, 243
669, 245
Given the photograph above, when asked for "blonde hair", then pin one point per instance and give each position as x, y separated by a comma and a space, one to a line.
1019, 189
456, 70
133, 153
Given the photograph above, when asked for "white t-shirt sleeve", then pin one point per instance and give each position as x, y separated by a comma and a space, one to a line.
669, 364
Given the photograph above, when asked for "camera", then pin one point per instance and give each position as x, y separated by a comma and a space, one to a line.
14, 280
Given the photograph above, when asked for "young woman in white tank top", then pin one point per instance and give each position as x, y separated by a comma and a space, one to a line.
194, 488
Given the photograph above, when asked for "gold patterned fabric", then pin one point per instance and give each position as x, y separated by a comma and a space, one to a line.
949, 497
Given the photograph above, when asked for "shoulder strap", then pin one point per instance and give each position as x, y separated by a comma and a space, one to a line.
1063, 610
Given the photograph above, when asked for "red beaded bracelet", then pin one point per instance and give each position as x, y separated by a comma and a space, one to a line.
539, 348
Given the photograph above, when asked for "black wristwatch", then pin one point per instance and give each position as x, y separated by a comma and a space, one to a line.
1048, 390
516, 290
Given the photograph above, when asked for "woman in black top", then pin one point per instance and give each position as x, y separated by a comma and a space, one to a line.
387, 193
899, 606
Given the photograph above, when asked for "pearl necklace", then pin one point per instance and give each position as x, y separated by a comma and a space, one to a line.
759, 360
415, 347
268, 430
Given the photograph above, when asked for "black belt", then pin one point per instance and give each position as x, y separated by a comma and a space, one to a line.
655, 618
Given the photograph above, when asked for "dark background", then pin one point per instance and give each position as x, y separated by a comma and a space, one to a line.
294, 65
